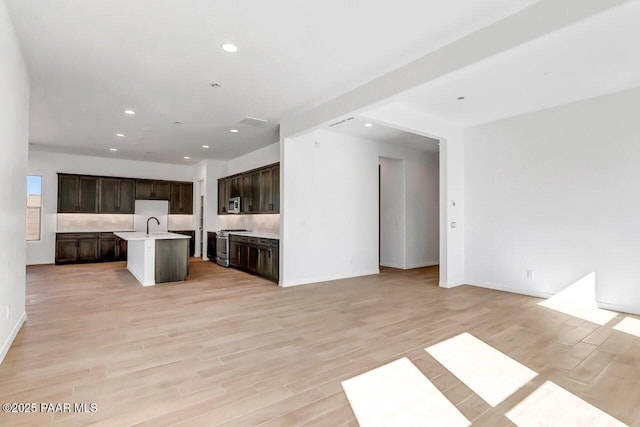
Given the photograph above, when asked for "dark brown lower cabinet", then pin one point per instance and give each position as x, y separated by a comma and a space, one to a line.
121, 249
107, 249
211, 246
66, 251
75, 248
255, 255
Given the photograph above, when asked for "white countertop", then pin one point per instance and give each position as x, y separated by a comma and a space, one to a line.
93, 231
258, 234
141, 235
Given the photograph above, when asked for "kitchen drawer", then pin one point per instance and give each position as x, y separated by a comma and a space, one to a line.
235, 238
77, 235
106, 236
272, 243
254, 240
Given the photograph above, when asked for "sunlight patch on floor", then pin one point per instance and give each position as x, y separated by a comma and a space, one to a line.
579, 300
398, 394
551, 405
492, 375
629, 325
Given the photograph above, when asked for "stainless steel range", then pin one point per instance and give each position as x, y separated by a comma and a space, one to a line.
222, 246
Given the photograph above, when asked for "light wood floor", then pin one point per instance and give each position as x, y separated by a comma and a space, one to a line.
229, 348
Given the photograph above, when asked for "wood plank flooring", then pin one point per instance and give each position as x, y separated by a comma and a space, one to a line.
227, 348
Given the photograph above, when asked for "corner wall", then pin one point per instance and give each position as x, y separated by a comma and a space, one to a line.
14, 122
556, 192
330, 222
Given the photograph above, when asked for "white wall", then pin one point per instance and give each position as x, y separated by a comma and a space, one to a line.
330, 208
556, 192
14, 122
392, 213
261, 157
422, 221
49, 164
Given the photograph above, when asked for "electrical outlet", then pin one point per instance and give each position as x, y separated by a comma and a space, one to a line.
531, 274
453, 224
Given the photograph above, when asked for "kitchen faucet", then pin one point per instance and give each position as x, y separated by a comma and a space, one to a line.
150, 218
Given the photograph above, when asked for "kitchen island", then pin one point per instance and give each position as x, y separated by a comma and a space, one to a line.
157, 257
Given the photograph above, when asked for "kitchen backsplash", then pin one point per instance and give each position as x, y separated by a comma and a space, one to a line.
94, 222
268, 223
180, 222
68, 223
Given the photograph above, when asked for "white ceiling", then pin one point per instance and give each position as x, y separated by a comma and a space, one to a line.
594, 57
381, 133
90, 60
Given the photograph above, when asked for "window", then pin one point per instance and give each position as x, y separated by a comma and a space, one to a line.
34, 207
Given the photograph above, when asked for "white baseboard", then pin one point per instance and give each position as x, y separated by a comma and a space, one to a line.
619, 308
545, 295
451, 285
12, 336
328, 278
423, 264
389, 265
412, 266
495, 287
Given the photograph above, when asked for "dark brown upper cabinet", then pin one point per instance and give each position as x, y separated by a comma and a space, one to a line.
181, 201
259, 191
126, 196
147, 189
266, 190
77, 194
223, 197
116, 196
275, 189
108, 201
250, 196
236, 186
68, 190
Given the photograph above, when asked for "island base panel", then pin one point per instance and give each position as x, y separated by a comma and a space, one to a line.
172, 260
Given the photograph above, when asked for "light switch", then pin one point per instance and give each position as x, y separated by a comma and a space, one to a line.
453, 203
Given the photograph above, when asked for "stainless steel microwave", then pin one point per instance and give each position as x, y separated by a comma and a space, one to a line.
234, 205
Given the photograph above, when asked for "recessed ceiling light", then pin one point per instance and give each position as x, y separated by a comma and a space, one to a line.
121, 135
205, 146
460, 98
368, 125
113, 149
229, 47
234, 131
130, 112
187, 157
